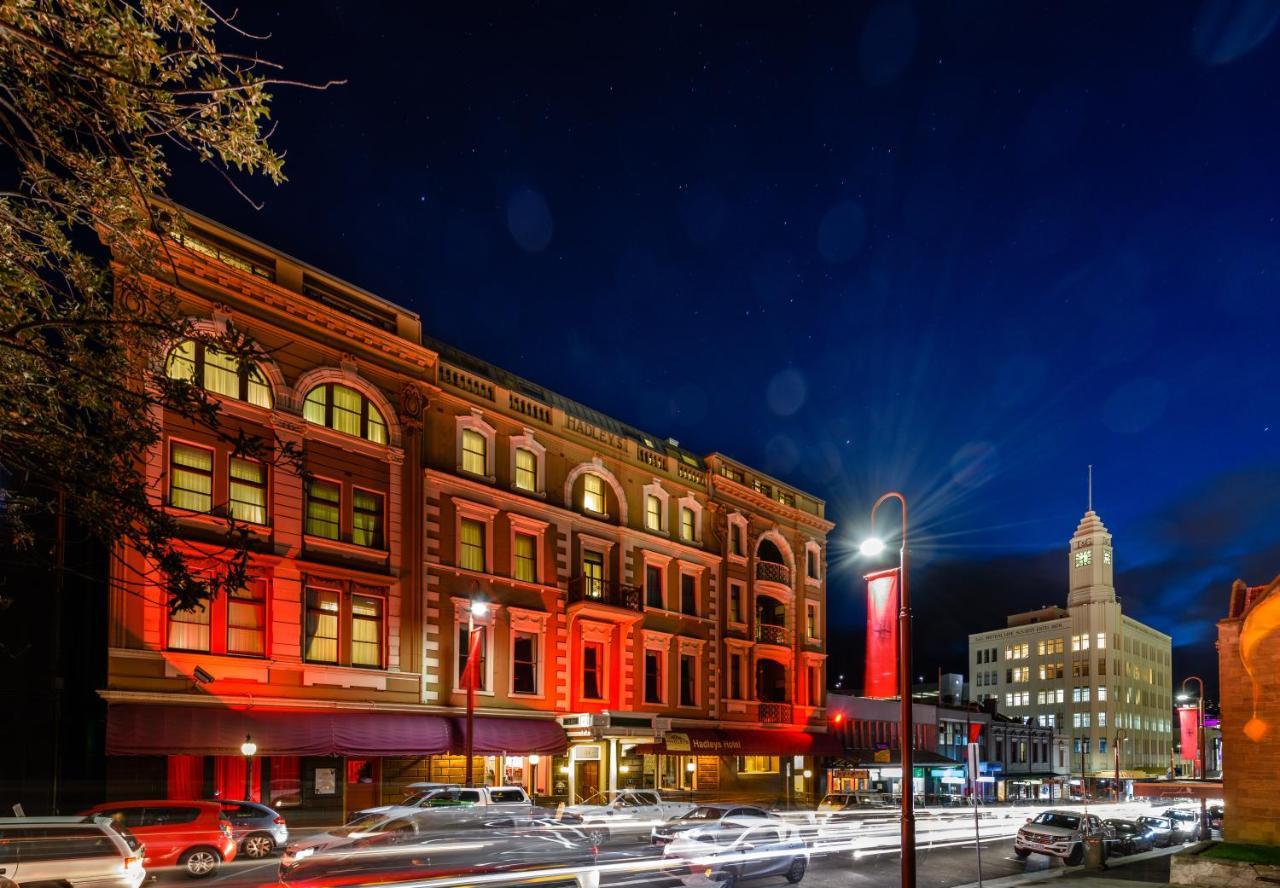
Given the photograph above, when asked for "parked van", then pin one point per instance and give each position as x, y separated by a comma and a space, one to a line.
70, 851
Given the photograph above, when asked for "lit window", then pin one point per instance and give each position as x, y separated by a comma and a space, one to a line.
593, 494
218, 372
758, 764
471, 545
593, 574
526, 468
475, 452
366, 519
652, 512
189, 629
366, 631
811, 619
324, 509
247, 491
526, 558
246, 621
190, 477
687, 525
322, 626
524, 663
345, 410
592, 671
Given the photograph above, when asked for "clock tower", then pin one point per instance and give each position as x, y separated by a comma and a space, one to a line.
1090, 561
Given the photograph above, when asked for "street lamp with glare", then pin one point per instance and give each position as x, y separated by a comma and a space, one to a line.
248, 749
477, 611
690, 767
871, 547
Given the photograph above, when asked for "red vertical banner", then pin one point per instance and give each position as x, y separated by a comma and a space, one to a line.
881, 676
1188, 730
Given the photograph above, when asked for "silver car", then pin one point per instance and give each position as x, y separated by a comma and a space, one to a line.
70, 851
257, 829
747, 848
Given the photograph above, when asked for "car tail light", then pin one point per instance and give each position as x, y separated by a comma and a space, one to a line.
132, 863
225, 827
279, 821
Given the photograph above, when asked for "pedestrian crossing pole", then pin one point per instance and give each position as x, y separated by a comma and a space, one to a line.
973, 793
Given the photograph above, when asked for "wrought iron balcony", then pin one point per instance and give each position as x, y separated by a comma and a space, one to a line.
610, 592
769, 713
771, 634
773, 572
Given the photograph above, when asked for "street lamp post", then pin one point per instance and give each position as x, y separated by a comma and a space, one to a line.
691, 767
533, 775
1116, 749
906, 733
248, 748
477, 609
1204, 814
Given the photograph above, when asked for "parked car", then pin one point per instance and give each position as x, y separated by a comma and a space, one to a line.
625, 809
703, 815
1059, 834
456, 797
193, 835
69, 851
1188, 820
1130, 837
257, 829
1165, 832
747, 848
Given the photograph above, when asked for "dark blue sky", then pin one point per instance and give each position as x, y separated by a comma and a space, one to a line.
961, 249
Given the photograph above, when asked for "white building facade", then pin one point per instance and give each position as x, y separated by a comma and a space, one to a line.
1101, 678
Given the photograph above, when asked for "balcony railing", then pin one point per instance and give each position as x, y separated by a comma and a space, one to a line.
774, 713
773, 572
771, 634
610, 592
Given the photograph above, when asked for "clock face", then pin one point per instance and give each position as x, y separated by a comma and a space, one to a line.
1084, 557
1106, 556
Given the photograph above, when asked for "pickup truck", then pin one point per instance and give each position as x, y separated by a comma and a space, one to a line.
625, 809
500, 798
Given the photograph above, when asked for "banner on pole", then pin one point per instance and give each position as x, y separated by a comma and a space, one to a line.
881, 676
1189, 724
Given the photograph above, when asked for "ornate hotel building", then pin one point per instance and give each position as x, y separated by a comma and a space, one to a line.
646, 615
1098, 676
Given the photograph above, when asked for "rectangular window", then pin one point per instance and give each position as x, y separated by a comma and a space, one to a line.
524, 663
321, 643
247, 621
688, 679
735, 603
481, 654
653, 677
366, 631
221, 372
686, 524
592, 671
247, 491
474, 452
348, 408
735, 539
324, 509
1101, 641
735, 676
593, 494
190, 477
189, 630
811, 619
689, 594
1102, 720
652, 512
757, 764
471, 544
593, 574
526, 470
526, 558
811, 564
366, 519
653, 586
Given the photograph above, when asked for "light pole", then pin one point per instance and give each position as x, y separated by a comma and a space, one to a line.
1204, 814
477, 610
1116, 749
533, 775
874, 546
247, 749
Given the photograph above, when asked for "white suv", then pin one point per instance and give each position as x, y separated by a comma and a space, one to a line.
1058, 834
69, 851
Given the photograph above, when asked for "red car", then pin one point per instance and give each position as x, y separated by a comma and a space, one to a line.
193, 835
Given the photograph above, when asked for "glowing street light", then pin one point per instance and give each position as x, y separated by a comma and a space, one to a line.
871, 547
477, 611
248, 748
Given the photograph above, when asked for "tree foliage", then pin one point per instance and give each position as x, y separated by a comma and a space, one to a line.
93, 93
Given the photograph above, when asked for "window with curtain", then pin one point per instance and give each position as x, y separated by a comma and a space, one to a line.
190, 477
482, 650
652, 512
810, 620
189, 629
688, 679
475, 452
247, 491
593, 574
471, 544
687, 524
592, 667
247, 620
653, 586
689, 594
321, 642
526, 558
218, 372
653, 676
345, 410
524, 663
366, 519
366, 631
593, 494
526, 469
324, 509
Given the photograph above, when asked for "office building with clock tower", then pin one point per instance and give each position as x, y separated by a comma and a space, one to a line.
1100, 677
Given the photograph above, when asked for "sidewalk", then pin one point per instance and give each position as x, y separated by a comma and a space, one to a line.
1149, 867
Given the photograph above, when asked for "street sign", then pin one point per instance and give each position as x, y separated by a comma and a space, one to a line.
974, 758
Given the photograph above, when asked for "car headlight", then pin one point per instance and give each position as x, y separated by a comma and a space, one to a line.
303, 853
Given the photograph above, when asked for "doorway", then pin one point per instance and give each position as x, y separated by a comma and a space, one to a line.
586, 780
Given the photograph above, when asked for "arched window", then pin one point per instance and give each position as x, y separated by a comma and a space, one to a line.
345, 410
593, 494
217, 372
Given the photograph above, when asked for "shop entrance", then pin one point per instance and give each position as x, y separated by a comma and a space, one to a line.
586, 780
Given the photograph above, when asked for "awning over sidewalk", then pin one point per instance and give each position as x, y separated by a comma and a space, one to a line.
511, 736
878, 758
727, 741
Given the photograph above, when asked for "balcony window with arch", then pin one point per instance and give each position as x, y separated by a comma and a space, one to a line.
771, 620
218, 372
345, 410
770, 564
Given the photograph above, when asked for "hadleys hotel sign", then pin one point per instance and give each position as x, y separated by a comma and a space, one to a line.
595, 433
678, 742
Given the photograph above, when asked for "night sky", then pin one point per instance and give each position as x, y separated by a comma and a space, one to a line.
959, 249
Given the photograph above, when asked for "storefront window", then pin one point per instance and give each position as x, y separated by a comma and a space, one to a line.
757, 764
